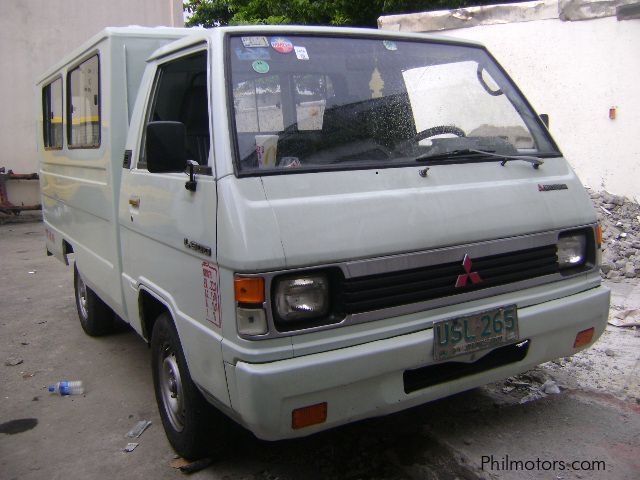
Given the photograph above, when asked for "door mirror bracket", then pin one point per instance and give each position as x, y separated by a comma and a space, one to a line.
191, 184
545, 119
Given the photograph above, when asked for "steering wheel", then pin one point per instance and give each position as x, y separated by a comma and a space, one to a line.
439, 130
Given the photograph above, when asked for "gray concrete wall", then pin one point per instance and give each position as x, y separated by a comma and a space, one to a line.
34, 34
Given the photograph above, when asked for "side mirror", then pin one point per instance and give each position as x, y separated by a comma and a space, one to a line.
166, 147
545, 119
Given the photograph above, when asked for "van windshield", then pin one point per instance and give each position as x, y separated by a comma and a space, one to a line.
304, 103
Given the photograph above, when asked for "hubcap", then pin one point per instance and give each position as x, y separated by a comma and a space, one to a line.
82, 297
171, 389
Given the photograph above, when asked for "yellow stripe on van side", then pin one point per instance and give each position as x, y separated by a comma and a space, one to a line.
84, 120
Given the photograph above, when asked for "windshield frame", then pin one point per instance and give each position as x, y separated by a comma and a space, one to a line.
410, 162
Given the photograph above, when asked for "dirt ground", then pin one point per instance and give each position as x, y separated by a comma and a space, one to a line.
476, 434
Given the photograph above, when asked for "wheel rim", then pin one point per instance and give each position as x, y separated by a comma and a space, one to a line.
82, 297
171, 389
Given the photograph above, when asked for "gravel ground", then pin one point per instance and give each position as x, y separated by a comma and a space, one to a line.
620, 219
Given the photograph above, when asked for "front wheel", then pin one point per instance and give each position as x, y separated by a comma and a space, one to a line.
193, 427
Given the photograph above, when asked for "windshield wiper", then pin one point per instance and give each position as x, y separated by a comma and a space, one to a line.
472, 153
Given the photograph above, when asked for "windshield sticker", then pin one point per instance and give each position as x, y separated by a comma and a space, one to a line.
301, 53
255, 42
252, 54
390, 45
260, 66
282, 45
211, 280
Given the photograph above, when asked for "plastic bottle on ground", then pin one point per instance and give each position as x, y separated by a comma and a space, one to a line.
67, 388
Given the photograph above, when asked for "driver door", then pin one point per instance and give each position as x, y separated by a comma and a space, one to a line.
167, 231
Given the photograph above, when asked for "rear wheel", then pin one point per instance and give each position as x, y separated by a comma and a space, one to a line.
194, 428
96, 318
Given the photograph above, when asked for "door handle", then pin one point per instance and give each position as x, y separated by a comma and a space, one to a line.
134, 202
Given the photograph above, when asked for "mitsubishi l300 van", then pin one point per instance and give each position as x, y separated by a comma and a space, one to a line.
313, 226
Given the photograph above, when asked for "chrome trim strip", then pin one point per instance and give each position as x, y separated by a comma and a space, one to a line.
393, 263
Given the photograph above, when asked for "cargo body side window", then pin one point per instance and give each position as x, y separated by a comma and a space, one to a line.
52, 115
180, 95
83, 104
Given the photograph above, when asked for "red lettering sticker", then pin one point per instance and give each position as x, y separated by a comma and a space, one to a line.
211, 279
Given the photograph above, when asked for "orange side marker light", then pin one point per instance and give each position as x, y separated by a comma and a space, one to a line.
307, 416
599, 235
584, 337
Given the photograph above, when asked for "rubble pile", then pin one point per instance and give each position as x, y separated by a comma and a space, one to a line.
620, 220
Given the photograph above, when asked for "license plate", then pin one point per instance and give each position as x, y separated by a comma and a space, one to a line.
471, 333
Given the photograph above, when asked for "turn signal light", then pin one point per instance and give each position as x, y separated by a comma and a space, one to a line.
307, 416
599, 235
249, 289
584, 338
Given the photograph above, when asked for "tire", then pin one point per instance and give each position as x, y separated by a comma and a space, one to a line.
96, 318
193, 427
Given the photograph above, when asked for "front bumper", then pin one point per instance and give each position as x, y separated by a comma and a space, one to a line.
367, 380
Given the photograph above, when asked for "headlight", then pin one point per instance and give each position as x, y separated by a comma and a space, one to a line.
302, 297
572, 250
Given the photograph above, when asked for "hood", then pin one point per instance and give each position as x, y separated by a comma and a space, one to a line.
344, 215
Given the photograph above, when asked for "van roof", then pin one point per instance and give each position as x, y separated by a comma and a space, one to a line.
188, 36
133, 31
217, 33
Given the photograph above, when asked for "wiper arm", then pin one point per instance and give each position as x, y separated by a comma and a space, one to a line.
535, 161
465, 152
473, 153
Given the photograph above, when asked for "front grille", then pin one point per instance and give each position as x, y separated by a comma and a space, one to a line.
374, 292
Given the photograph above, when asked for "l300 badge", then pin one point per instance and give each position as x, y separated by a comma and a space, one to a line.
197, 247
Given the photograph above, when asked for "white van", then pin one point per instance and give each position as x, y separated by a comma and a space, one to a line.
312, 226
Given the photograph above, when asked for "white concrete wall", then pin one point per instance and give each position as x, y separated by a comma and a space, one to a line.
34, 34
575, 71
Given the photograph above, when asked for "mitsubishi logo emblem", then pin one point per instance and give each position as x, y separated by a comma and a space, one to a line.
473, 276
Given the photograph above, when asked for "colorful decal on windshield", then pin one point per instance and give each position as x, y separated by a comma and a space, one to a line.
211, 280
281, 44
252, 53
390, 45
255, 42
301, 53
260, 66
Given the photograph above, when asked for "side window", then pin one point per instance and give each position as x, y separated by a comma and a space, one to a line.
52, 115
83, 104
180, 95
